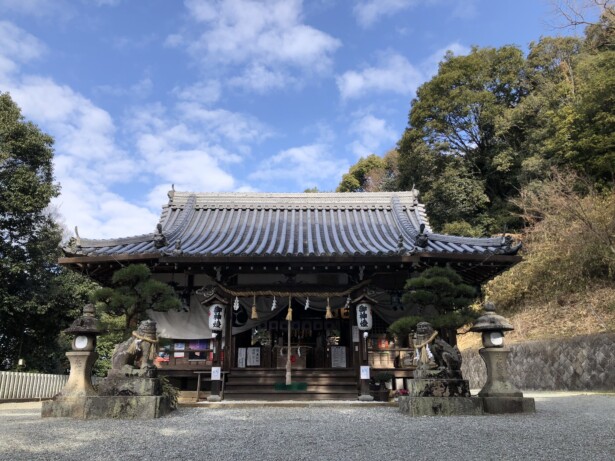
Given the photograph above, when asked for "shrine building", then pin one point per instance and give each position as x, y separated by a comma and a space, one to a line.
254, 255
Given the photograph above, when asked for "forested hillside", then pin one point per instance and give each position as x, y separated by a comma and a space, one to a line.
508, 140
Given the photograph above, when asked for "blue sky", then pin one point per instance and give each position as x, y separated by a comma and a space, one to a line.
228, 95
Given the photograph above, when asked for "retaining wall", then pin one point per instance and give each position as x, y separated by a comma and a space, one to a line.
583, 363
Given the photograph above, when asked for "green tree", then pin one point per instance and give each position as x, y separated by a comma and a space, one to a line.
134, 291
372, 174
456, 119
37, 298
440, 297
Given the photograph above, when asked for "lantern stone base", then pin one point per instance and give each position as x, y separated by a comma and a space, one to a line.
500, 405
441, 406
439, 388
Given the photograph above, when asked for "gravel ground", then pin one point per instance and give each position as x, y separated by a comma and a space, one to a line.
578, 427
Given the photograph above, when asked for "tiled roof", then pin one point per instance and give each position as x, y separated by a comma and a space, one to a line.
265, 225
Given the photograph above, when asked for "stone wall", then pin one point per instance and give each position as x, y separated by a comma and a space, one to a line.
583, 363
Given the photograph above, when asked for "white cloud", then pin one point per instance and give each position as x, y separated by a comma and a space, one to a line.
268, 37
373, 135
395, 74
177, 150
88, 162
205, 92
465, 9
38, 8
368, 12
223, 124
140, 90
429, 66
262, 79
309, 166
17, 46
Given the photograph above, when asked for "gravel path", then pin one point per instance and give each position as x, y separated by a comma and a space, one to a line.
563, 428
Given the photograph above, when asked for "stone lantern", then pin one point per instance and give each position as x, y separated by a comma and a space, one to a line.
499, 394
71, 401
83, 356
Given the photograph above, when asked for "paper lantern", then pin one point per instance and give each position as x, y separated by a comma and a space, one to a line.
216, 317
364, 316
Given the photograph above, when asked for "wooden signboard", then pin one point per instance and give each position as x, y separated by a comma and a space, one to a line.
338, 357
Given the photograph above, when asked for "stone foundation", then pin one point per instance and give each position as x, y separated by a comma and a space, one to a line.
441, 406
97, 407
127, 407
499, 405
129, 386
439, 388
120, 397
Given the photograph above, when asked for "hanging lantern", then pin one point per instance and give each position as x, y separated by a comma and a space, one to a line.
328, 313
364, 311
216, 317
274, 304
364, 316
254, 313
236, 304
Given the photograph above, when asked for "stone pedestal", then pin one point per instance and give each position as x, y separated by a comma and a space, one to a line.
440, 406
439, 388
70, 402
440, 397
64, 407
500, 405
130, 386
499, 394
127, 407
79, 381
498, 382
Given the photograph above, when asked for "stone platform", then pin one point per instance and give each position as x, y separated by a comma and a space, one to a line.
439, 387
97, 407
120, 397
502, 405
119, 385
441, 406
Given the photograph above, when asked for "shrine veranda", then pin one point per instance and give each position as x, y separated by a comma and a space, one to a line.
255, 253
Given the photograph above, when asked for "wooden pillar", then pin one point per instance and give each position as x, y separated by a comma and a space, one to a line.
228, 339
215, 385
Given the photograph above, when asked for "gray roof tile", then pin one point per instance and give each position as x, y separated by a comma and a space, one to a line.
322, 224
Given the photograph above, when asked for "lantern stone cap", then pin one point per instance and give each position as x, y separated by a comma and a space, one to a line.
87, 323
490, 321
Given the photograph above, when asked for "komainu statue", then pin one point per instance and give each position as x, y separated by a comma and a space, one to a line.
136, 355
435, 357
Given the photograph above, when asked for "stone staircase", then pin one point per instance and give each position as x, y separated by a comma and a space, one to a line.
322, 384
